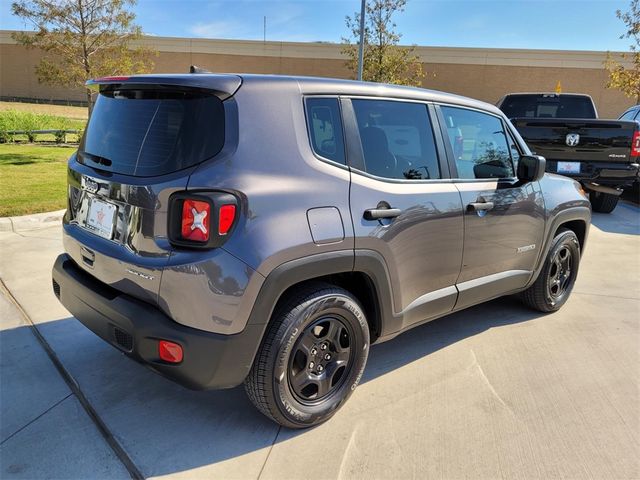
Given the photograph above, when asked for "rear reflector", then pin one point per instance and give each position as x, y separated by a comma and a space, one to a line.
226, 216
195, 220
169, 351
635, 144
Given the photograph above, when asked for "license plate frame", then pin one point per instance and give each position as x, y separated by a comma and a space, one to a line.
101, 218
568, 167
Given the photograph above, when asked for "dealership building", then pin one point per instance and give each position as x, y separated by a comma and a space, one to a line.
483, 73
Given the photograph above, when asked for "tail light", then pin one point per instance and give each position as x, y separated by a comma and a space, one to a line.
196, 217
635, 144
226, 216
201, 219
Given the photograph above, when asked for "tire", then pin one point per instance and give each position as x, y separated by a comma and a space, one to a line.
312, 357
554, 284
603, 202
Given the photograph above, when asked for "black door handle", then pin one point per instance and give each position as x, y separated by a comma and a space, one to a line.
480, 206
378, 213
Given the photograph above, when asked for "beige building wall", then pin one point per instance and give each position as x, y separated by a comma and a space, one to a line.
486, 74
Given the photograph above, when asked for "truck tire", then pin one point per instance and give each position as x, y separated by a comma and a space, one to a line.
558, 275
312, 357
603, 202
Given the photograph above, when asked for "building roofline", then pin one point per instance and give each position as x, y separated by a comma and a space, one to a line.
433, 55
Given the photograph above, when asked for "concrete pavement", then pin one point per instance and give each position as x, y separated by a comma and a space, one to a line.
497, 391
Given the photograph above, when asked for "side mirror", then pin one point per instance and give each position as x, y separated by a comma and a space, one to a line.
531, 168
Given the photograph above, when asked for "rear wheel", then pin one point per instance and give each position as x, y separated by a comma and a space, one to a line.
555, 282
603, 202
312, 357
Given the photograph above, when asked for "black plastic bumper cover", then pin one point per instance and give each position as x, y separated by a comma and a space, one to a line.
210, 360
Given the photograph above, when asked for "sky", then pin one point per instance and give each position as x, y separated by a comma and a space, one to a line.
536, 24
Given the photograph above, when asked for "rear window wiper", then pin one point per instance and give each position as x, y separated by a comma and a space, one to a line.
95, 159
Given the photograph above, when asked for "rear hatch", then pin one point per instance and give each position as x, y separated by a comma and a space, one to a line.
145, 136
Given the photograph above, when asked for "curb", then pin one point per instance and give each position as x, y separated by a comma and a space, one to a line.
31, 222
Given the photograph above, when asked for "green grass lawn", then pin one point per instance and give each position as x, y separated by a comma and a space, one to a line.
33, 178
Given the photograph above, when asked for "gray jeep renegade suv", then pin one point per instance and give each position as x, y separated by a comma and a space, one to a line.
224, 229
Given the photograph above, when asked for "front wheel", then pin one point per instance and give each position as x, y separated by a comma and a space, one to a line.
603, 202
559, 272
312, 357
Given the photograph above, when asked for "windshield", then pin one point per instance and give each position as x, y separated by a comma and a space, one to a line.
148, 132
548, 106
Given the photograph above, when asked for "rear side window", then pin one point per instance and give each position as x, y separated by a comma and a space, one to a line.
548, 105
397, 139
151, 132
325, 128
479, 144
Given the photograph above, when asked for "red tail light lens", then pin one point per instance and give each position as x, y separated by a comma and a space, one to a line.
226, 216
201, 219
169, 351
635, 144
196, 217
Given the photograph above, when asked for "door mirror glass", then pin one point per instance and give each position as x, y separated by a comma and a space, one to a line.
531, 168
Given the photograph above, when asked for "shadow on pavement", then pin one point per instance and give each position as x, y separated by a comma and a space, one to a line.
167, 429
625, 219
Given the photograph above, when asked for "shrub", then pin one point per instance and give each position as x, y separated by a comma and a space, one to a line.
29, 122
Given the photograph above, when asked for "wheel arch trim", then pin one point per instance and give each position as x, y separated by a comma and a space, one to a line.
572, 214
294, 272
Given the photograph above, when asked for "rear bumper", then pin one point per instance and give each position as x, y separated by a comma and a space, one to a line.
134, 327
603, 173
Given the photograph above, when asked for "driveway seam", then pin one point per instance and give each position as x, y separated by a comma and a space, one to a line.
605, 295
37, 418
118, 450
269, 454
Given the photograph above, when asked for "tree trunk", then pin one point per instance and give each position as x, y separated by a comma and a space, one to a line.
89, 103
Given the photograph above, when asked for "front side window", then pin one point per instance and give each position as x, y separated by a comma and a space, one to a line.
479, 144
397, 139
325, 128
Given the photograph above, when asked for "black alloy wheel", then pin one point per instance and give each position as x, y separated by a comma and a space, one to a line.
312, 357
558, 275
320, 358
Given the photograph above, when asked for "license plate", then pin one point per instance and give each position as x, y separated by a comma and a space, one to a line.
100, 218
568, 167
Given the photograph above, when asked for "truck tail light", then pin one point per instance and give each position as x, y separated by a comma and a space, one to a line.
201, 219
635, 144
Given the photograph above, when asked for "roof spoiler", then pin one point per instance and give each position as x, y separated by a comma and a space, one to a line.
222, 85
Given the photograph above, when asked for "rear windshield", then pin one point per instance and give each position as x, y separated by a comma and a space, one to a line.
148, 132
548, 106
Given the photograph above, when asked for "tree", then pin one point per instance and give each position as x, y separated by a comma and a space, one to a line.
82, 39
384, 60
627, 79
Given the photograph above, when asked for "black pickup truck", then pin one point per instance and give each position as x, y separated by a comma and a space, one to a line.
604, 155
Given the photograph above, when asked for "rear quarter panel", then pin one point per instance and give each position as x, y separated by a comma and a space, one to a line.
277, 178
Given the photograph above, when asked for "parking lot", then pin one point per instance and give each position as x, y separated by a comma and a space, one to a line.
496, 391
